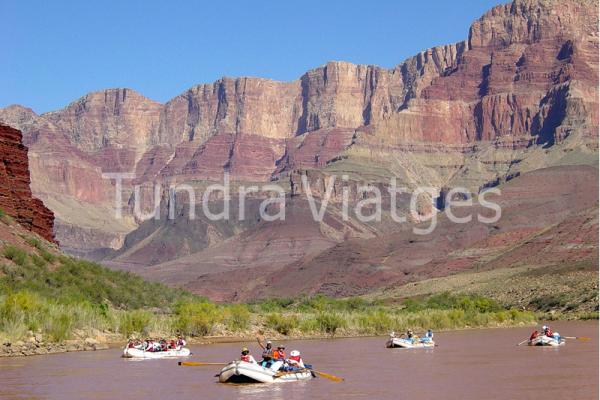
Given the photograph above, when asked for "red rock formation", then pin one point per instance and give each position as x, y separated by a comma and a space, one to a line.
471, 112
16, 199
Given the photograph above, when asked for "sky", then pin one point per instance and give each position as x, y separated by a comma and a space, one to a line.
54, 52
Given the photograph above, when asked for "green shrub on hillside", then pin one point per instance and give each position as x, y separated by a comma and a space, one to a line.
46, 255
34, 242
237, 317
197, 318
330, 322
59, 326
283, 324
134, 322
77, 280
15, 254
448, 301
271, 305
377, 322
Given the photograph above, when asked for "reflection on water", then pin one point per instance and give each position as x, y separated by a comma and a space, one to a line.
475, 364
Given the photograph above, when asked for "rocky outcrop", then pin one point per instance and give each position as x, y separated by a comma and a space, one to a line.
16, 199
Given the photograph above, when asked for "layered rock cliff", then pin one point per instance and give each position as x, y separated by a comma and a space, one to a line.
16, 199
520, 94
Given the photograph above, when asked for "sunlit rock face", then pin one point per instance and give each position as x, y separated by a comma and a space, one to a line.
519, 94
16, 199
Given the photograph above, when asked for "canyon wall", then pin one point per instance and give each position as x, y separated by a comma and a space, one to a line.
16, 199
518, 95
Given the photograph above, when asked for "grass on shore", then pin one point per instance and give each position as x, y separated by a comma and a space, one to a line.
60, 297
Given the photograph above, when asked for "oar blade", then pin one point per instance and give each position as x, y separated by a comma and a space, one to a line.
197, 364
329, 376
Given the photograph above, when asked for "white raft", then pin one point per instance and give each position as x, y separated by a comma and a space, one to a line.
543, 340
395, 342
245, 372
132, 352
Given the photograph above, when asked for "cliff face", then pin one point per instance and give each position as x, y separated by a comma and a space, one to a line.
16, 199
521, 93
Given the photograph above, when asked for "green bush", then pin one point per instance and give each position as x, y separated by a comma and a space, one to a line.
38, 261
549, 302
34, 242
197, 318
46, 255
59, 326
15, 254
376, 322
449, 301
132, 322
272, 305
283, 324
309, 324
330, 322
238, 317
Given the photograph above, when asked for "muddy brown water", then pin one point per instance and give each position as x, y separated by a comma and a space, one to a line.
470, 364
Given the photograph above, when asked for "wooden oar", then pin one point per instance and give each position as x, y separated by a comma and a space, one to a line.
577, 337
323, 374
328, 376
524, 341
197, 364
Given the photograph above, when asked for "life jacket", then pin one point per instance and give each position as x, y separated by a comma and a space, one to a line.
534, 334
245, 357
295, 359
279, 355
268, 353
549, 332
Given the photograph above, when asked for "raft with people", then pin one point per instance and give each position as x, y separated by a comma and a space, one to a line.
410, 341
546, 338
274, 367
154, 349
247, 372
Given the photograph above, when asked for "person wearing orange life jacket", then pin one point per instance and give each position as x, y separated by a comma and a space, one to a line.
295, 359
246, 356
547, 331
279, 354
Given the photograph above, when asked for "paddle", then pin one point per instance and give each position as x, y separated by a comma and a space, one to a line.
577, 337
328, 376
197, 364
323, 374
524, 341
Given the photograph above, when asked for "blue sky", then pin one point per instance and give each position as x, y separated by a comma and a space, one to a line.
56, 51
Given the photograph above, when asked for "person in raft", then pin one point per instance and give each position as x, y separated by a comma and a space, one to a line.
428, 336
267, 354
180, 342
295, 360
246, 356
547, 331
279, 354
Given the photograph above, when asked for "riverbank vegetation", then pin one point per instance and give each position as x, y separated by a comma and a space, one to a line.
55, 298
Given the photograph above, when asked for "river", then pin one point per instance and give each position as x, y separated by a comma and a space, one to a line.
469, 364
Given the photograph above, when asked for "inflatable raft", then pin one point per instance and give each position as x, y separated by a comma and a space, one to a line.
245, 372
133, 352
395, 342
543, 340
